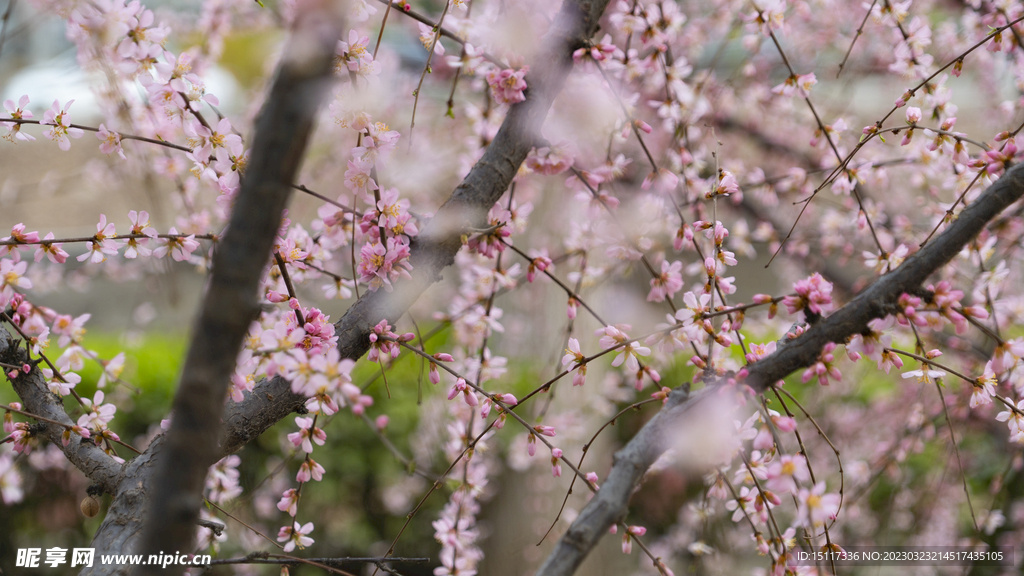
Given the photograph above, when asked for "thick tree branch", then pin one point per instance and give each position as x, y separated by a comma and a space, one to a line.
441, 239
231, 303
878, 300
37, 399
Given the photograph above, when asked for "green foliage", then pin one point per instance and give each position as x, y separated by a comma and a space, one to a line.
246, 54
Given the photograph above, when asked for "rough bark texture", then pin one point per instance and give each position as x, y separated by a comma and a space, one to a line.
878, 300
231, 302
122, 526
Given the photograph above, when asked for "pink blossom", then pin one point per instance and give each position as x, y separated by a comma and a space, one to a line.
545, 430
57, 117
627, 536
180, 247
796, 84
357, 177
573, 354
309, 469
110, 142
353, 56
468, 394
814, 293
667, 283
556, 466
13, 276
823, 368
140, 226
984, 387
663, 181
925, 374
1014, 421
507, 85
490, 244
612, 336
540, 263
997, 160
759, 351
768, 17
599, 51
17, 113
785, 473
553, 158
385, 342
97, 414
69, 329
18, 236
816, 507
307, 431
379, 265
63, 385
289, 502
430, 39
391, 209
295, 535
101, 245
575, 357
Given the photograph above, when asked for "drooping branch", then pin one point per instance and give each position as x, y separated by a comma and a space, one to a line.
231, 303
463, 212
37, 399
876, 301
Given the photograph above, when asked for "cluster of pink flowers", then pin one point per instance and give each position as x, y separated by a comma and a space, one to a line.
386, 231
507, 85
813, 294
641, 88
222, 481
103, 243
553, 158
354, 56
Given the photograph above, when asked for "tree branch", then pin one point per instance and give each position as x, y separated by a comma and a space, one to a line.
611, 501
96, 464
231, 303
435, 248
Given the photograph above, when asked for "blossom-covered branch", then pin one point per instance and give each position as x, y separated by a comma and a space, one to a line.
436, 246
37, 399
876, 301
282, 133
